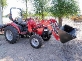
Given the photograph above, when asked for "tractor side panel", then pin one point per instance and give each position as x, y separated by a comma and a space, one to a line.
15, 26
31, 24
39, 31
29, 28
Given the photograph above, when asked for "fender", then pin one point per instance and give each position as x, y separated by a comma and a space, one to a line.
15, 26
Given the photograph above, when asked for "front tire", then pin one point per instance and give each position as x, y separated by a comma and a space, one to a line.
47, 38
36, 41
11, 34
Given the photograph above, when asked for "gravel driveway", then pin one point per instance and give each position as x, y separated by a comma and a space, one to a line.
50, 51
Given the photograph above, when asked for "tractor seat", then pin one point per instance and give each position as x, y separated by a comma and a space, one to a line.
21, 22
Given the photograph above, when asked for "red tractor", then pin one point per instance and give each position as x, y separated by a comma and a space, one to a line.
36, 32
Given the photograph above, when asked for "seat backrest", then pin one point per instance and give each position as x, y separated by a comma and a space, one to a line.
19, 20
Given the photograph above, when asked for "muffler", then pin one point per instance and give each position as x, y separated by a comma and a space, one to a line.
66, 33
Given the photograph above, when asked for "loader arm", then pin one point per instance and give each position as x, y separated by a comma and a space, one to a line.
64, 34
52, 26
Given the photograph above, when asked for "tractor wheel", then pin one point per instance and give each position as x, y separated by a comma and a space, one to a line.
46, 38
36, 41
11, 34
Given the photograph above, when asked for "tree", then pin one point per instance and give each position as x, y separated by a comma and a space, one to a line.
26, 14
40, 7
0, 15
3, 4
63, 8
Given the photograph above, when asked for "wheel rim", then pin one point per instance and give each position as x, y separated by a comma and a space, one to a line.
45, 37
35, 42
9, 35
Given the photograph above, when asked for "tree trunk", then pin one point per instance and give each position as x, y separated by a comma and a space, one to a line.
1, 22
60, 21
26, 9
2, 6
42, 16
42, 13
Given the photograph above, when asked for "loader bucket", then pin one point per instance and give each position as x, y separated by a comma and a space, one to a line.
66, 33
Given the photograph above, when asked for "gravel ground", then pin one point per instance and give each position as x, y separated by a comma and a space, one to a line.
50, 51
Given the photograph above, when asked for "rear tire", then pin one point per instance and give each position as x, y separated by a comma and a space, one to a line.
36, 41
11, 34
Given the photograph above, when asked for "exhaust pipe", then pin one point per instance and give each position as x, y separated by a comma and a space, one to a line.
66, 33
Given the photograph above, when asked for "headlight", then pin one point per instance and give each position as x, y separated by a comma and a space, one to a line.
45, 29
